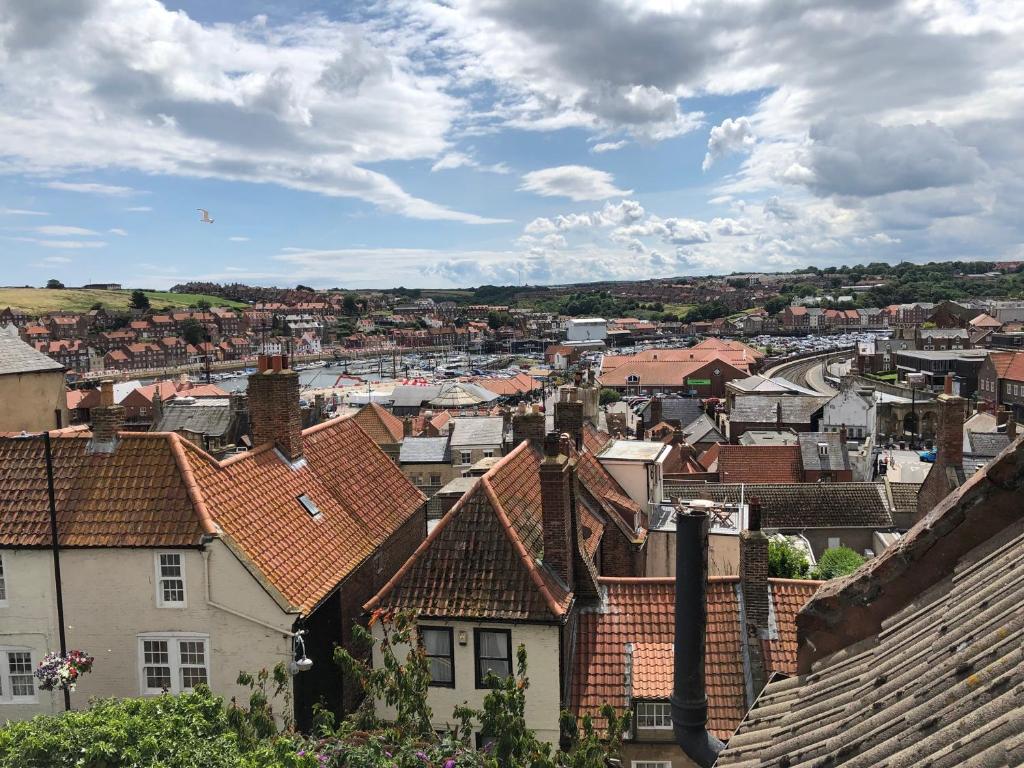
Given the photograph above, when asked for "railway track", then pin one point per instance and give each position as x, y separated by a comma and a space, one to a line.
809, 371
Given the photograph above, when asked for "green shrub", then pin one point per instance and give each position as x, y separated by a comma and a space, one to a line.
609, 396
836, 562
786, 561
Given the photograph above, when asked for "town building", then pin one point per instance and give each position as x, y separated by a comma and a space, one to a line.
32, 391
216, 566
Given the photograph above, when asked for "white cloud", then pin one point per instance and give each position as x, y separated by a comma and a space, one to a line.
578, 182
608, 146
62, 231
118, 231
21, 212
452, 160
238, 239
731, 136
140, 209
305, 104
57, 260
92, 188
62, 244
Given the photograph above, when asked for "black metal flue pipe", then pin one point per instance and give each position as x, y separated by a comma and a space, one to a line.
689, 694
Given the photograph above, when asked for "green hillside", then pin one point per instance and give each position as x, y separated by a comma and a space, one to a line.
41, 300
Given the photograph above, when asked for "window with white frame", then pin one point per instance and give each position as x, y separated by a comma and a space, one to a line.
3, 581
170, 580
488, 454
16, 681
465, 456
173, 663
653, 714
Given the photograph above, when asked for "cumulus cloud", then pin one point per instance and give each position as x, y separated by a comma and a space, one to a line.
451, 160
863, 159
728, 137
118, 231
577, 182
139, 209
238, 239
305, 104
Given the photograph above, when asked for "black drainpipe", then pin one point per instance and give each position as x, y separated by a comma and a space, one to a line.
689, 695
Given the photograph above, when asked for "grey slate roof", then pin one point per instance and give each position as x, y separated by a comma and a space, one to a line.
703, 430
800, 505
922, 663
763, 409
206, 416
18, 357
409, 396
987, 443
425, 450
477, 430
681, 410
836, 459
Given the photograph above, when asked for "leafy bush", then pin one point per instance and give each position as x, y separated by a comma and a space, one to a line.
609, 395
836, 562
786, 561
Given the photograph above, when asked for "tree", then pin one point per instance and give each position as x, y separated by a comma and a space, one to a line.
203, 305
836, 562
192, 331
349, 304
305, 288
776, 304
54, 284
609, 396
139, 300
786, 561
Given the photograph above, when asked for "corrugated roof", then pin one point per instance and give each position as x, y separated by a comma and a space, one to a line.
918, 654
18, 357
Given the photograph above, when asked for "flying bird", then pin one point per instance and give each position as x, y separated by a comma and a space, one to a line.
206, 216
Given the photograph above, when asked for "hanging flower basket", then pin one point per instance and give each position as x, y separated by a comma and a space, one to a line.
56, 672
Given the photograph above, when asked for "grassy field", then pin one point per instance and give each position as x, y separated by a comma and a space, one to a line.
40, 300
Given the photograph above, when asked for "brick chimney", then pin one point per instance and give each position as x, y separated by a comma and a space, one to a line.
107, 420
945, 474
569, 415
274, 411
756, 598
557, 514
407, 426
527, 424
654, 413
158, 405
1011, 427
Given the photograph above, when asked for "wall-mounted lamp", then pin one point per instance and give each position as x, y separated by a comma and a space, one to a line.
300, 662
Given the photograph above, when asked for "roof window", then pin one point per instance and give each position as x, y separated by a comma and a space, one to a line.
310, 507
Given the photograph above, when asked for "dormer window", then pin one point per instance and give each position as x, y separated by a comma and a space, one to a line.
310, 507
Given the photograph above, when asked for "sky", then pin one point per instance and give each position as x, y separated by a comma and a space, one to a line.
464, 142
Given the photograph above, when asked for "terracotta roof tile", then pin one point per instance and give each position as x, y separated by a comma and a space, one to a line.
594, 439
133, 497
361, 494
643, 611
788, 597
484, 559
653, 670
760, 464
380, 424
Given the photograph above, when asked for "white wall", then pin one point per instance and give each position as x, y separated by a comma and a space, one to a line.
110, 598
586, 331
542, 698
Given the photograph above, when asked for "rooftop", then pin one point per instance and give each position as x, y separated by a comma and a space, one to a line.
18, 357
633, 450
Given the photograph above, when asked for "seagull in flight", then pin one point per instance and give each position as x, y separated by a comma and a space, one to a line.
206, 216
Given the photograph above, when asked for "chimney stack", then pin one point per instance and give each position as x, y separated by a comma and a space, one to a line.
689, 694
1011, 427
527, 424
944, 475
158, 405
654, 413
274, 411
556, 505
107, 420
569, 414
407, 426
756, 597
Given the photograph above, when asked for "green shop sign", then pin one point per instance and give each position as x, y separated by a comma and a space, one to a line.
699, 382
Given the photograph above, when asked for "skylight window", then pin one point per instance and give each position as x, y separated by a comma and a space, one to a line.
310, 507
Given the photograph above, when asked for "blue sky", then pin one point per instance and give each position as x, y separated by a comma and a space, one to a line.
452, 144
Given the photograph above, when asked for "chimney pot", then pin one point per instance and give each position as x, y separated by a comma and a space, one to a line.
947, 386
